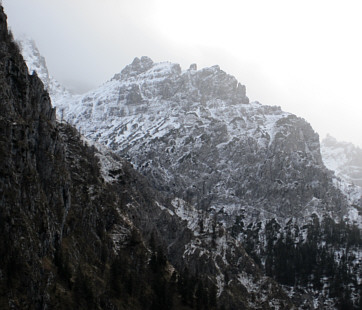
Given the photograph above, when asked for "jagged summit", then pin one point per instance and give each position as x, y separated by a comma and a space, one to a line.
143, 81
208, 83
193, 67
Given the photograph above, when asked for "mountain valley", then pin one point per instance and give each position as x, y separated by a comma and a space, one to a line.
168, 189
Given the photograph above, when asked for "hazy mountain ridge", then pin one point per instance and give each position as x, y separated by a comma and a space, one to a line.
344, 158
234, 167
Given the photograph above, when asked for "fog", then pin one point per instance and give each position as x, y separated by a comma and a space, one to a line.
304, 56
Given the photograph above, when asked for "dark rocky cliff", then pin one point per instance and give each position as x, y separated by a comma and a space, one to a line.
34, 180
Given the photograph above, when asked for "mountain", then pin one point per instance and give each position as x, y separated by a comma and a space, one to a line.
196, 136
81, 229
247, 179
344, 158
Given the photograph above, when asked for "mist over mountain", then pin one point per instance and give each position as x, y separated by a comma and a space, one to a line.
344, 158
182, 194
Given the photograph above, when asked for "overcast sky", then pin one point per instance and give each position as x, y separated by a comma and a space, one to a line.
305, 56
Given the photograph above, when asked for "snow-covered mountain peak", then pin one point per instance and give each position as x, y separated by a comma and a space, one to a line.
144, 67
195, 134
195, 129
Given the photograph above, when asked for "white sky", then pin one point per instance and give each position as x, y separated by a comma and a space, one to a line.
305, 56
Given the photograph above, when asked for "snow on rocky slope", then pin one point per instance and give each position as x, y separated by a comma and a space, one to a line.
345, 159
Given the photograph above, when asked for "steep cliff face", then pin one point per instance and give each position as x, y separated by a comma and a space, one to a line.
34, 181
62, 228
